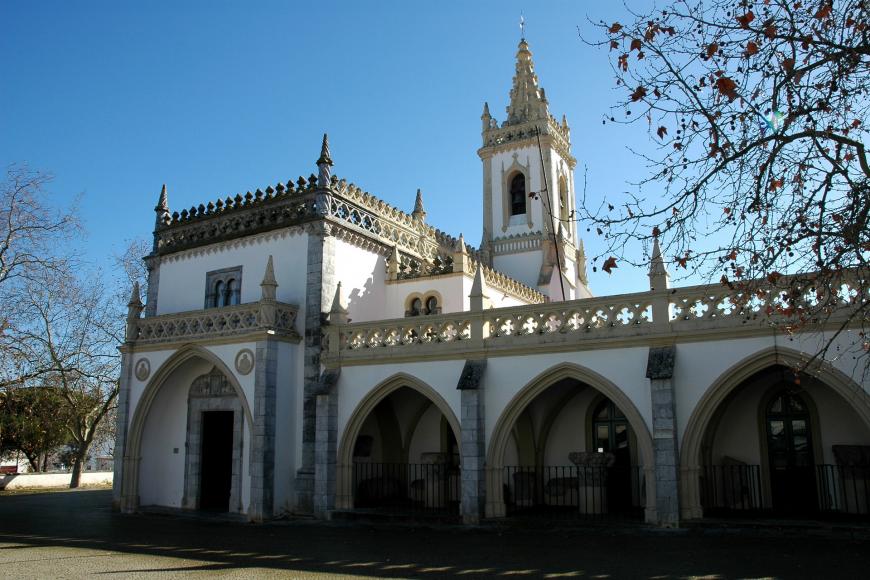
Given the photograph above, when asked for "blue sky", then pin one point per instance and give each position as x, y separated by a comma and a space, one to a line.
216, 98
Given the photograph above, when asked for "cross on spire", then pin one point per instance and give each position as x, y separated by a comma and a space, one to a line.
522, 26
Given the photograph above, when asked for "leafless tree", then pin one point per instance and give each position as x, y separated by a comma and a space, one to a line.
34, 236
756, 111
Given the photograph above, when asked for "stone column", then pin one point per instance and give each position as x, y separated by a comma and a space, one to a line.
122, 420
320, 272
263, 444
472, 448
325, 451
660, 371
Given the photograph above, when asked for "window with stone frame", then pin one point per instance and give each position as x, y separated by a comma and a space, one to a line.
420, 306
518, 194
223, 287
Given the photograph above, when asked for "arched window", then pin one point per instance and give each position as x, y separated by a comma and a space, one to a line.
432, 305
564, 211
416, 307
219, 295
610, 429
232, 293
518, 194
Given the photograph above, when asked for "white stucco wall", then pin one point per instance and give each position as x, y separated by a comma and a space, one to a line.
505, 377
700, 365
362, 274
356, 382
741, 429
163, 451
182, 275
524, 267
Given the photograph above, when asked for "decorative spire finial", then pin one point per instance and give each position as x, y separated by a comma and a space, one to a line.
269, 283
528, 101
162, 207
338, 311
324, 162
134, 310
522, 26
479, 295
135, 298
419, 213
659, 279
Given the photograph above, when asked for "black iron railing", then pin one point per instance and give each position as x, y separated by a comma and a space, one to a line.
727, 488
407, 487
843, 489
834, 490
574, 491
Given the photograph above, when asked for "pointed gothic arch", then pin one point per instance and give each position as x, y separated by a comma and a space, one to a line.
132, 450
495, 506
344, 460
704, 413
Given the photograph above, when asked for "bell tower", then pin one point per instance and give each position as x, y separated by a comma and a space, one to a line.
529, 227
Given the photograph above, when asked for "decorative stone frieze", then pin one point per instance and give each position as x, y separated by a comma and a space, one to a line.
213, 323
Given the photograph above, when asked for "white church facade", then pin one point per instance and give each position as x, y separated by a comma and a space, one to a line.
308, 348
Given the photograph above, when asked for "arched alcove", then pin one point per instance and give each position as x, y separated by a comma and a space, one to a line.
564, 377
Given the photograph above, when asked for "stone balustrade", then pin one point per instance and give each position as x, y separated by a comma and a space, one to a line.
212, 323
751, 307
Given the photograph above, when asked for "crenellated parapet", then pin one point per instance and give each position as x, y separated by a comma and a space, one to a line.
242, 215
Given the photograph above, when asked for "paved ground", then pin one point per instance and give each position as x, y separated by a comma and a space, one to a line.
74, 534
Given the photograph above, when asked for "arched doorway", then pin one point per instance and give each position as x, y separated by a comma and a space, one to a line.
571, 444
161, 462
400, 452
766, 439
788, 429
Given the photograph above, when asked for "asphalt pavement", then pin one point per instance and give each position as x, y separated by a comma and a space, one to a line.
75, 534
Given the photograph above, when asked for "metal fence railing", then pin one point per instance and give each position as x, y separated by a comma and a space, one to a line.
727, 488
574, 491
407, 487
843, 489
840, 490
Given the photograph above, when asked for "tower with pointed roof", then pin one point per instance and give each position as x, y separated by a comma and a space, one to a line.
529, 229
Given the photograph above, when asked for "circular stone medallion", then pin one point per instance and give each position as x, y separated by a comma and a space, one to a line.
244, 361
143, 369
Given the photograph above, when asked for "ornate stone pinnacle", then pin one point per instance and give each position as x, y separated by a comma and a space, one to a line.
485, 114
419, 213
460, 244
479, 295
163, 202
135, 299
528, 101
269, 283
324, 152
324, 162
338, 306
659, 279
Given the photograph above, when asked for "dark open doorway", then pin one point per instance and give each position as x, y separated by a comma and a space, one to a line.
790, 451
216, 470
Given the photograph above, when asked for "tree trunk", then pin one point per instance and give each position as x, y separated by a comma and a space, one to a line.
33, 461
78, 466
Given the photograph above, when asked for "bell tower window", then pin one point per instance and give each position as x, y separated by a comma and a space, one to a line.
518, 194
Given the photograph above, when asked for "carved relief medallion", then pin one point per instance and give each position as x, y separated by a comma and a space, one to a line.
244, 361
143, 369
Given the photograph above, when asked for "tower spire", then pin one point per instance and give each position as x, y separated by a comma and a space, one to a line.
659, 279
528, 101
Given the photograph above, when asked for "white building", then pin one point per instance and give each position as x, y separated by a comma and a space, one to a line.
309, 348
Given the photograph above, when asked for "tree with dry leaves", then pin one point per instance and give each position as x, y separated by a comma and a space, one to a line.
756, 113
